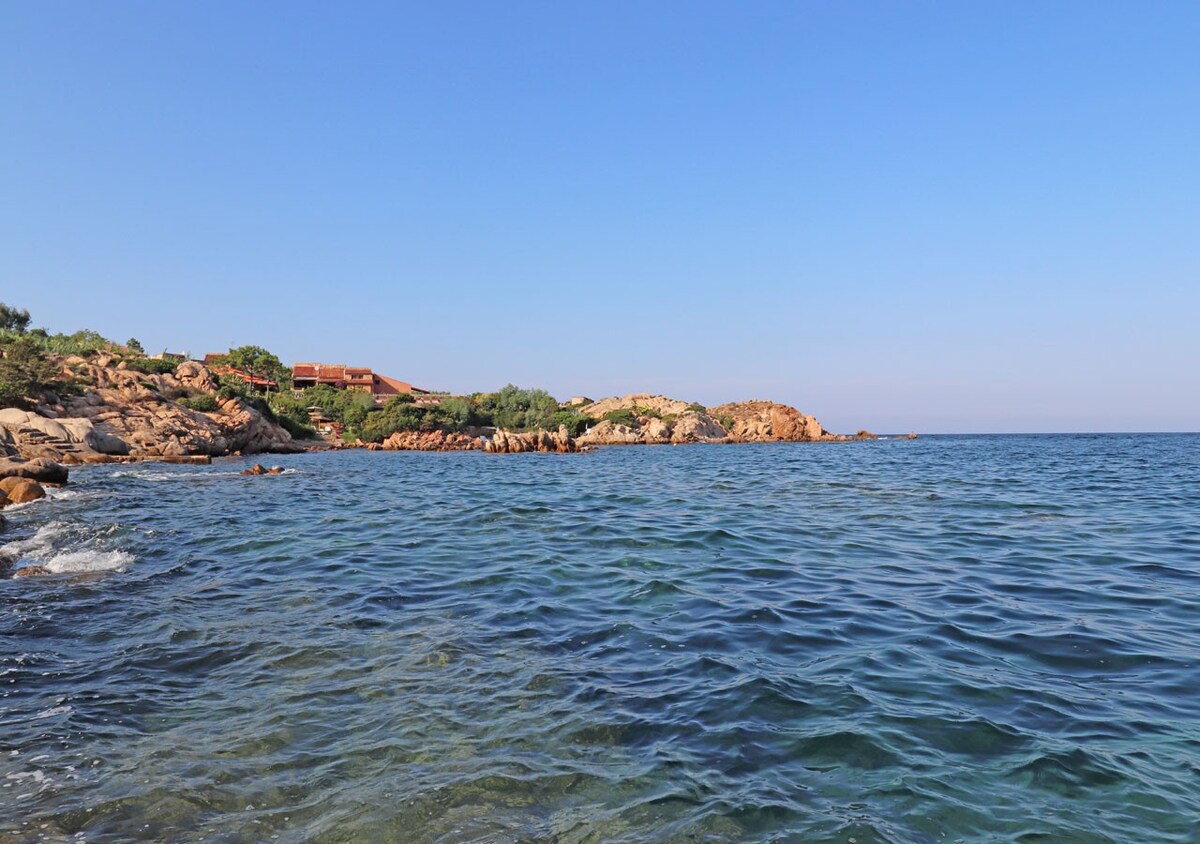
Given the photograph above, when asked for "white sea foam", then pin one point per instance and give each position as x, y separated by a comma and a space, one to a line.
41, 544
78, 562
65, 548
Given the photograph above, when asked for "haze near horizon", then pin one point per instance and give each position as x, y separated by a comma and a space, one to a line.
917, 217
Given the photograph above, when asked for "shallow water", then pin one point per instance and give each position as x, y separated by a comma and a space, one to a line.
974, 638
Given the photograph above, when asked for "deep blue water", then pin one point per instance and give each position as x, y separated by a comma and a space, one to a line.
958, 638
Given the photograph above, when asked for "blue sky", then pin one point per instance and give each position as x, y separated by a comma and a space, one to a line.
898, 216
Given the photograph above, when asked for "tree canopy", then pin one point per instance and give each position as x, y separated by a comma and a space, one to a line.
258, 362
13, 319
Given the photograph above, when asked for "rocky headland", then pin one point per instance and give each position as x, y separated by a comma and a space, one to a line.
117, 413
643, 419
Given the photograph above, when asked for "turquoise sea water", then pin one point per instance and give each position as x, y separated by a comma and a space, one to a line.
953, 639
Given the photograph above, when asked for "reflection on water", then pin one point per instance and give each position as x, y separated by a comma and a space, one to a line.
955, 638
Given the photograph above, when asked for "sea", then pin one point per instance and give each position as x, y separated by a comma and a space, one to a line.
952, 639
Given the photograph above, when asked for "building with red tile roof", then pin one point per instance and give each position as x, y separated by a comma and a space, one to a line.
344, 377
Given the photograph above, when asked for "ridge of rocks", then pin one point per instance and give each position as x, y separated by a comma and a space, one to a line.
123, 414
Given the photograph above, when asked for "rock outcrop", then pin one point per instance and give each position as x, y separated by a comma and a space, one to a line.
660, 420
507, 442
428, 441
123, 414
765, 421
657, 420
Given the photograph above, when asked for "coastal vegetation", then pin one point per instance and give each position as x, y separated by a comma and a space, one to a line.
511, 407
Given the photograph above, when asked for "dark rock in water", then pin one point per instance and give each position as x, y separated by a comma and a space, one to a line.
21, 490
1, 531
38, 469
3, 500
260, 469
31, 571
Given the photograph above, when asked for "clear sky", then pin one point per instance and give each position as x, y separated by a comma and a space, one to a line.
900, 216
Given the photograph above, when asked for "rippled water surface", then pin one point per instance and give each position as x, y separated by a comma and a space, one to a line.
976, 639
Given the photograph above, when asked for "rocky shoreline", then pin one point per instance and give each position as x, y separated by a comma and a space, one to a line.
113, 412
126, 415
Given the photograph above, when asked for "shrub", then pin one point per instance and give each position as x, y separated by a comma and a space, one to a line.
232, 386
84, 343
574, 421
696, 407
648, 412
298, 430
203, 403
622, 416
516, 409
153, 366
726, 422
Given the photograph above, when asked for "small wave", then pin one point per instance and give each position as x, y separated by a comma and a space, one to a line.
65, 709
160, 475
165, 475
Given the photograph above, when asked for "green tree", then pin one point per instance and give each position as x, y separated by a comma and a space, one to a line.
257, 362
13, 319
24, 371
515, 409
134, 346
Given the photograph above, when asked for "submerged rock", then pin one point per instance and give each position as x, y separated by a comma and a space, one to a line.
260, 469
31, 571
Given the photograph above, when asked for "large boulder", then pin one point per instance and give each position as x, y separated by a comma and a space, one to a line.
21, 490
38, 469
196, 377
609, 433
38, 434
694, 427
